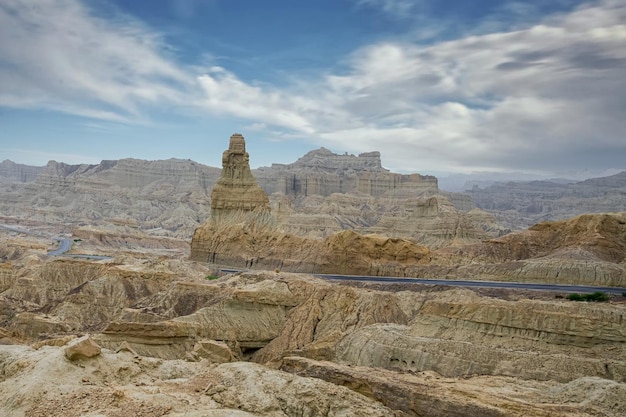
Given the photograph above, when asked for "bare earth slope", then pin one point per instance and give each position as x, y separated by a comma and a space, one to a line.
588, 249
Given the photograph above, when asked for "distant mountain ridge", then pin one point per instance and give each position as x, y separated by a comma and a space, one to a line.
521, 204
319, 194
12, 172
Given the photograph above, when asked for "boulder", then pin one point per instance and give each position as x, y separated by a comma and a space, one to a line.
82, 348
213, 350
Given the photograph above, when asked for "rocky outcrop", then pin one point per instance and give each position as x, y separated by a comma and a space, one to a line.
455, 333
429, 394
259, 391
320, 194
432, 221
237, 190
171, 196
463, 335
12, 172
322, 172
253, 240
412, 350
44, 383
586, 250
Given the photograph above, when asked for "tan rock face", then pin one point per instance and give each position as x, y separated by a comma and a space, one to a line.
257, 390
237, 189
414, 350
82, 348
172, 194
322, 172
431, 220
587, 250
254, 240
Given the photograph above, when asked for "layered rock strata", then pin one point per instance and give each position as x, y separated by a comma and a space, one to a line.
12, 172
254, 241
163, 328
430, 220
322, 172
588, 250
237, 190
172, 196
518, 205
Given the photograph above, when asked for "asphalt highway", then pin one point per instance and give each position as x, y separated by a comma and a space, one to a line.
474, 284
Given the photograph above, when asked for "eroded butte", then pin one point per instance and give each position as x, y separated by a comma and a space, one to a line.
145, 324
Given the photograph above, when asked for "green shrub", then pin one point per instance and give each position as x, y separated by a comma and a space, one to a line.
624, 294
597, 296
211, 277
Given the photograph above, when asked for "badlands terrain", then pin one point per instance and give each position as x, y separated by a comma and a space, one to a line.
154, 328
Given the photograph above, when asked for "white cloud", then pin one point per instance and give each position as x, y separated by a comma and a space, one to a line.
57, 54
395, 8
547, 97
550, 96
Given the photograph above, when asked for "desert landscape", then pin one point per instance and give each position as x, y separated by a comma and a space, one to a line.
188, 290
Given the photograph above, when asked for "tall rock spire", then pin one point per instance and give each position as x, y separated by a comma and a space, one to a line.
237, 189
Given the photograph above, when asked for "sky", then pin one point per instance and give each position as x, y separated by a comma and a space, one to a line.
437, 86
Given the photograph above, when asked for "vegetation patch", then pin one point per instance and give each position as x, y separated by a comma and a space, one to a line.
597, 296
211, 277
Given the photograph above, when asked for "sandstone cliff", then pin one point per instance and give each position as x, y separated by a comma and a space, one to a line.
12, 172
433, 221
587, 249
174, 196
255, 241
322, 172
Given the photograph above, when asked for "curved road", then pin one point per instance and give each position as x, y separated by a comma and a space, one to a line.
64, 245
474, 284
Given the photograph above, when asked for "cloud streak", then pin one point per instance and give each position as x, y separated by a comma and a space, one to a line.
548, 97
534, 99
56, 54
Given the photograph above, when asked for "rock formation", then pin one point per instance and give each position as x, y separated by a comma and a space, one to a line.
587, 250
178, 344
255, 241
237, 190
172, 196
322, 172
12, 172
322, 193
518, 205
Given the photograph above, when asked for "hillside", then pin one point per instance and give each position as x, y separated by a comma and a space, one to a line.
518, 205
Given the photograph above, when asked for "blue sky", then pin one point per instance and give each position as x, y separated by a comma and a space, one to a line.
437, 86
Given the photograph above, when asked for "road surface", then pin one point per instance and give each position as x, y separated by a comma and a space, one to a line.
474, 284
64, 246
